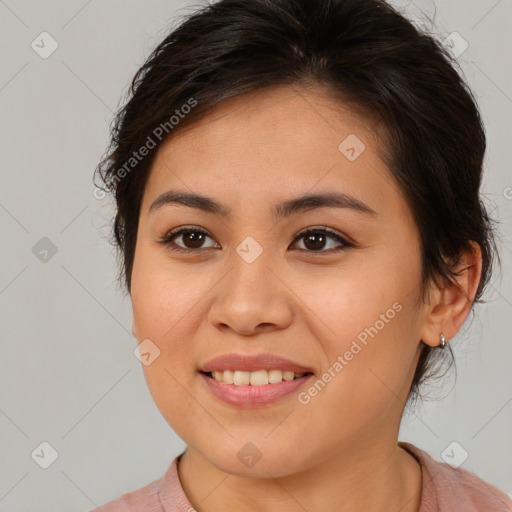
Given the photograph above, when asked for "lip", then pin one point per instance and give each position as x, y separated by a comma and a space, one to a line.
253, 362
247, 396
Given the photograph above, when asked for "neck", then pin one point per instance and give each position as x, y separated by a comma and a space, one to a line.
368, 476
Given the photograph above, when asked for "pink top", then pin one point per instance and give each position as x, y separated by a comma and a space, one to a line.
445, 489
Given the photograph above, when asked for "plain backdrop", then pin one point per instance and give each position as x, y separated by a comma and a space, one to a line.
69, 377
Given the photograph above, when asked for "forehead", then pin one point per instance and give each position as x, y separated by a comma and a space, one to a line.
300, 115
284, 140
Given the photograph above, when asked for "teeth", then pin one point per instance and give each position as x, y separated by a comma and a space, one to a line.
288, 375
275, 376
241, 378
256, 378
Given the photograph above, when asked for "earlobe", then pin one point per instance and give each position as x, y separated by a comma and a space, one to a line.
450, 305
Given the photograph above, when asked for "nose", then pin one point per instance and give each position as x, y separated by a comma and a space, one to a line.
253, 297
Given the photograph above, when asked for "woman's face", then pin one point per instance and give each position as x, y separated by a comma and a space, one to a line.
343, 305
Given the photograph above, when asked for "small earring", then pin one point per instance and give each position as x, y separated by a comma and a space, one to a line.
443, 341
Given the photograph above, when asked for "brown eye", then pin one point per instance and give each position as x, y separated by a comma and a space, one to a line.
316, 239
191, 238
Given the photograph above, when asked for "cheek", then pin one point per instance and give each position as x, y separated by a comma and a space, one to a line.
166, 303
369, 319
367, 379
164, 295
376, 293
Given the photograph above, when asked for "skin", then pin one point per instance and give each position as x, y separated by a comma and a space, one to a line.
339, 451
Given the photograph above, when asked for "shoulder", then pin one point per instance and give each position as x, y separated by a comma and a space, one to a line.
166, 493
140, 500
454, 489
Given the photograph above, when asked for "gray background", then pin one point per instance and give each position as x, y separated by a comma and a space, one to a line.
68, 373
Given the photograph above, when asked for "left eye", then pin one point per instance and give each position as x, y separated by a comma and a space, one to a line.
315, 239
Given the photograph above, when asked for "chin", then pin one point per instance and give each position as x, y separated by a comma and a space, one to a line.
249, 461
267, 468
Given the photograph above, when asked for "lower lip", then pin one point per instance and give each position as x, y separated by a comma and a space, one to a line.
247, 396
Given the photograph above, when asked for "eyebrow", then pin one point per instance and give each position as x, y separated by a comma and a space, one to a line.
280, 210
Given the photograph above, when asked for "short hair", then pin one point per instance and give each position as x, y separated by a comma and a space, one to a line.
369, 58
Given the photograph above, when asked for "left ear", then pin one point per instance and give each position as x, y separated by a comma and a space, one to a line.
450, 304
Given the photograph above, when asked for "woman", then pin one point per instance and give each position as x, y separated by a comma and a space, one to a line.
298, 214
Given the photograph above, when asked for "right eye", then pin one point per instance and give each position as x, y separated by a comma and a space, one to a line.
190, 235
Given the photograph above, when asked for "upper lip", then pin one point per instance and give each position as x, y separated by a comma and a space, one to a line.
253, 362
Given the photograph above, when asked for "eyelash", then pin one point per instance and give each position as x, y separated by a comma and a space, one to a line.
167, 239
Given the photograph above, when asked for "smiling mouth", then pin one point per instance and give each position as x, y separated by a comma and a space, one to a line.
255, 378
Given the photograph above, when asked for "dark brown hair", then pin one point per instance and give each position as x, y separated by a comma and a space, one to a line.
369, 57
